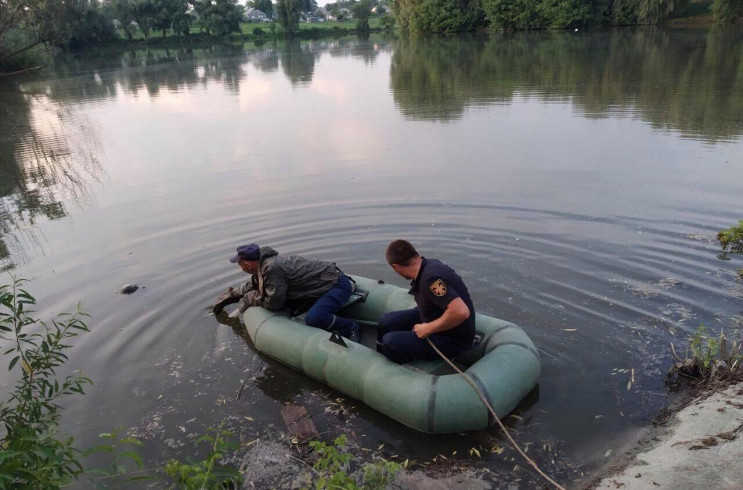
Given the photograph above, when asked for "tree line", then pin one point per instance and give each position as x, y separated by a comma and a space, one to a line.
31, 29
441, 16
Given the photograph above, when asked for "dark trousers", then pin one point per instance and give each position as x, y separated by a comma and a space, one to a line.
322, 313
397, 341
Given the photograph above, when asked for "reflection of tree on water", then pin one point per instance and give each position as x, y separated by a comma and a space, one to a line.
366, 49
683, 80
298, 62
102, 74
41, 164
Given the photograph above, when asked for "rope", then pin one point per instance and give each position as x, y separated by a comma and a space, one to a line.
495, 416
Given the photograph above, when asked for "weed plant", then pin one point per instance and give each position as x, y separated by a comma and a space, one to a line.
710, 361
732, 238
332, 469
35, 453
117, 473
207, 473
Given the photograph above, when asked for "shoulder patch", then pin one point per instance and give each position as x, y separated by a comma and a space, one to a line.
438, 287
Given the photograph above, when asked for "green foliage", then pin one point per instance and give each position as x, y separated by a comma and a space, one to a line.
376, 475
33, 54
437, 16
361, 11
35, 455
45, 22
93, 25
289, 11
333, 465
334, 462
708, 358
265, 6
171, 14
123, 11
443, 16
115, 474
387, 21
703, 347
565, 13
727, 10
732, 238
540, 14
219, 17
512, 14
206, 473
145, 14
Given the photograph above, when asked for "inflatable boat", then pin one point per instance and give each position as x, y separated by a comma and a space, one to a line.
504, 364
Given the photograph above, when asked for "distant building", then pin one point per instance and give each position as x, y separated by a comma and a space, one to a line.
255, 15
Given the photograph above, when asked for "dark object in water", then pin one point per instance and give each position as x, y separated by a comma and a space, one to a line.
128, 288
299, 424
228, 297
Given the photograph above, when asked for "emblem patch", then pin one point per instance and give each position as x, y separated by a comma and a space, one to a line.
438, 287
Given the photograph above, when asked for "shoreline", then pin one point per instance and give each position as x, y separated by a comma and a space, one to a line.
696, 444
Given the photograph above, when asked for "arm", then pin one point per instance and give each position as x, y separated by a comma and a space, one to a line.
456, 312
275, 287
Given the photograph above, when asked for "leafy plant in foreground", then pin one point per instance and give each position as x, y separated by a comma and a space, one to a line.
34, 453
116, 474
206, 473
334, 462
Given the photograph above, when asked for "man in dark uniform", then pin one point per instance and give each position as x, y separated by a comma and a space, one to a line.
445, 313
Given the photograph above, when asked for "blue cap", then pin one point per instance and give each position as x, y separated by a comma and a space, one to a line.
250, 252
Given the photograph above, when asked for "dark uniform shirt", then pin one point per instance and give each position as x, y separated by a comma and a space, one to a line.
436, 286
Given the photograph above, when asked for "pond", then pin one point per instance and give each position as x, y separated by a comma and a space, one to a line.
575, 180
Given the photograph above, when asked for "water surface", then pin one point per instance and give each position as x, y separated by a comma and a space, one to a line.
575, 181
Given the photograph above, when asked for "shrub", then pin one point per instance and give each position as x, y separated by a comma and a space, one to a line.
333, 465
727, 10
387, 21
207, 473
35, 453
732, 238
708, 359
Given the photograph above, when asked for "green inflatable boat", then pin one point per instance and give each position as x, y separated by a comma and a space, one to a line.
504, 364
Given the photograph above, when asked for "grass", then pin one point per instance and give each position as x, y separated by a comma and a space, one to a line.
710, 362
247, 30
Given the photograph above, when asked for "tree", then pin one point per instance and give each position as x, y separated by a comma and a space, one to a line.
334, 9
219, 17
145, 13
167, 12
288, 11
265, 6
361, 11
308, 5
123, 11
26, 24
727, 10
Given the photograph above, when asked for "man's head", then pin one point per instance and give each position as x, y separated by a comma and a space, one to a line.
403, 258
247, 258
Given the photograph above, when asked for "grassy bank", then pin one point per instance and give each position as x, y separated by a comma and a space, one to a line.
255, 30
